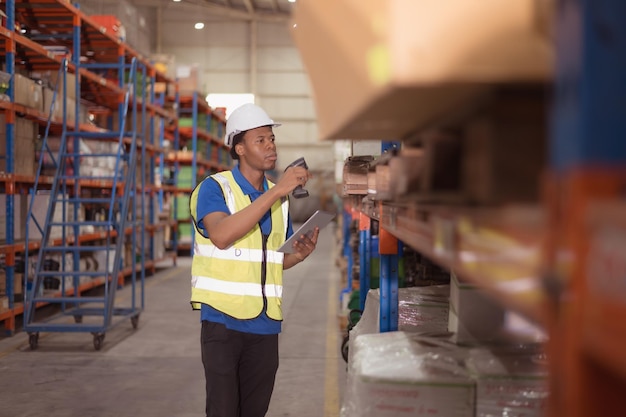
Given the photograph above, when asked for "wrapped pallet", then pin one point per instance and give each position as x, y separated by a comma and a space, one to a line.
509, 382
421, 310
395, 374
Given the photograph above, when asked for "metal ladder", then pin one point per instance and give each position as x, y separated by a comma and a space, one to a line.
87, 272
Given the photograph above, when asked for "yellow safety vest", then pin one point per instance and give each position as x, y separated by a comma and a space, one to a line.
231, 280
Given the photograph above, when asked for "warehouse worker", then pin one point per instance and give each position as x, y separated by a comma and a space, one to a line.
241, 219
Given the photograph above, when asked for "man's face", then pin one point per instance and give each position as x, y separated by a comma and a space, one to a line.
258, 148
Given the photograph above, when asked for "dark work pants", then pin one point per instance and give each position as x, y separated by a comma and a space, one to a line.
240, 369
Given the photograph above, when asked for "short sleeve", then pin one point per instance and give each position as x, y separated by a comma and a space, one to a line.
210, 200
289, 228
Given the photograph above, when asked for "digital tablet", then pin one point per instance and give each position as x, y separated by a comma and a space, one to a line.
318, 219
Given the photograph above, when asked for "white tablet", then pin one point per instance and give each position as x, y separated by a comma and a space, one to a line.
318, 219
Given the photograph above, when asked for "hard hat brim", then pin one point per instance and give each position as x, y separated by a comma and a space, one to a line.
229, 139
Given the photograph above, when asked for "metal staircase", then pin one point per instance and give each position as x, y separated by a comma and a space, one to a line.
75, 271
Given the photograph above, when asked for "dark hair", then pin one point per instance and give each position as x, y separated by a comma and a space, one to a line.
237, 139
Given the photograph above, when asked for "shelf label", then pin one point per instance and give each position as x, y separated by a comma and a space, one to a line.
444, 236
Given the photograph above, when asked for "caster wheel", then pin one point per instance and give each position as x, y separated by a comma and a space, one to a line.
33, 340
97, 340
134, 321
344, 348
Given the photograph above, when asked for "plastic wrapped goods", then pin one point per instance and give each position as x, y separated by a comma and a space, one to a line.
421, 310
509, 383
398, 374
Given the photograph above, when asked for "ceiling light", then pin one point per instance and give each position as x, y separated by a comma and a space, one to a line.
199, 25
292, 1
177, 1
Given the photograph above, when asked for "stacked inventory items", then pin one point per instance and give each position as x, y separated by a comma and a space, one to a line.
92, 190
355, 172
510, 382
396, 374
422, 310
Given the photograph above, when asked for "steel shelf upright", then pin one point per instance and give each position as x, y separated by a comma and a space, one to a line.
588, 212
9, 114
160, 139
168, 170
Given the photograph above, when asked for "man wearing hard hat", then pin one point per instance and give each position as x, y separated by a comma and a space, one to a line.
241, 220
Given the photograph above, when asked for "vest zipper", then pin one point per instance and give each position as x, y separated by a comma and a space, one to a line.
264, 270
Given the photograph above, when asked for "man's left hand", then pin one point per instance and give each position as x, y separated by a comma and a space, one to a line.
305, 245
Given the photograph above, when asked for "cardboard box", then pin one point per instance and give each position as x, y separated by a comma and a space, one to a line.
159, 244
111, 25
54, 110
57, 107
18, 283
25, 134
395, 374
510, 382
27, 92
20, 212
188, 79
355, 170
403, 64
51, 78
474, 317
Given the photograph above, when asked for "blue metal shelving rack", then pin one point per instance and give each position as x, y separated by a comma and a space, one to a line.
205, 126
57, 24
10, 168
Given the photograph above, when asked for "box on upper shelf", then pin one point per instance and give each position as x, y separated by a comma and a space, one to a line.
403, 65
27, 92
110, 24
188, 79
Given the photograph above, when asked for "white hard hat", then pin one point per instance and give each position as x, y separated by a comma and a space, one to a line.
246, 117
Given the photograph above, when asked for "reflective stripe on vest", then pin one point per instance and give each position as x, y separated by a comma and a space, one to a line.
229, 280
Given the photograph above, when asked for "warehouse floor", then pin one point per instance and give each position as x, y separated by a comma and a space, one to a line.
156, 369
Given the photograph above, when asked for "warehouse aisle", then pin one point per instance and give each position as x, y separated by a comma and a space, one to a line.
156, 370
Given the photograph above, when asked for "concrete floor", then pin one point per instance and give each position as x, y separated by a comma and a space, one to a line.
156, 369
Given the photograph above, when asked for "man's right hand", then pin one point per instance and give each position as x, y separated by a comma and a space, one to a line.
292, 178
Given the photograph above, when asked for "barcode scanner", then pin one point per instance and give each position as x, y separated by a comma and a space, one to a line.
299, 192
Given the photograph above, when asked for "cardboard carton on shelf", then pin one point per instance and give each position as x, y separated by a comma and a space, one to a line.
28, 92
18, 283
25, 134
188, 79
355, 172
403, 64
110, 24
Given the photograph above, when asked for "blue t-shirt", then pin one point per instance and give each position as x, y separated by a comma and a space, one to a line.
211, 191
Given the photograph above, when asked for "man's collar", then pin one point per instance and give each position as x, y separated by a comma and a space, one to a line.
243, 182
